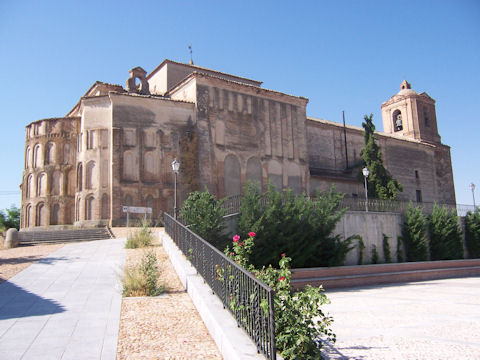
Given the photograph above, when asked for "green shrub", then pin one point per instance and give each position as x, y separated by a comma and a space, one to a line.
203, 214
413, 234
296, 225
445, 234
361, 247
399, 249
140, 238
386, 249
142, 279
472, 233
299, 320
375, 259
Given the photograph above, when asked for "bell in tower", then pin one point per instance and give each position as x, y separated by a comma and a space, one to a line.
411, 115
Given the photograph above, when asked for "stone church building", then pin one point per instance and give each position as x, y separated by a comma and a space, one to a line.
116, 146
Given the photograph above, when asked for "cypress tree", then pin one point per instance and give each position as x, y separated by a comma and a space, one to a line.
381, 184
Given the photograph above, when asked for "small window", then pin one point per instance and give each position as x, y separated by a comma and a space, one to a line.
419, 196
90, 139
416, 174
397, 120
427, 120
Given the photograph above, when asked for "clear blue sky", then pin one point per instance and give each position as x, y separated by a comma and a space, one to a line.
342, 55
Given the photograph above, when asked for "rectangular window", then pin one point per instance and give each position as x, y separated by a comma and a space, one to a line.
90, 139
104, 139
419, 196
416, 174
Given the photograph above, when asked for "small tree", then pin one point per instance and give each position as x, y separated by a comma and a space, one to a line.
445, 234
10, 218
380, 183
387, 254
203, 214
296, 225
413, 234
472, 233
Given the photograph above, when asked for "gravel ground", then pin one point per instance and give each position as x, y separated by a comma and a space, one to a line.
163, 327
14, 260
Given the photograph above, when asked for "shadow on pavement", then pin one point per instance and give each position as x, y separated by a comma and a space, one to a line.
15, 302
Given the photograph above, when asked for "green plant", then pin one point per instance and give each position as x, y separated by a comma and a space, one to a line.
445, 234
10, 218
142, 279
386, 249
361, 247
203, 214
399, 249
380, 183
413, 234
140, 238
472, 233
296, 225
299, 320
375, 258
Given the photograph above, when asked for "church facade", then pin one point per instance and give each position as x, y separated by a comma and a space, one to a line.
115, 147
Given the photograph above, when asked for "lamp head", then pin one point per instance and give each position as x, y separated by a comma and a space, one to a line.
472, 186
175, 166
365, 171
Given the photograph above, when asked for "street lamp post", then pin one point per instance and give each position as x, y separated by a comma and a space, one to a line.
175, 168
365, 175
472, 187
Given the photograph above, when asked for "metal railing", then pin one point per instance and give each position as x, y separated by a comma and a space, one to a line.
232, 205
248, 299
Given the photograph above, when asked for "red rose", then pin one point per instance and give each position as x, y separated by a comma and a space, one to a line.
281, 278
251, 234
283, 255
236, 238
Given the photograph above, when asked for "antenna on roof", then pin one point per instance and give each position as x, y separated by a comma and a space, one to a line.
191, 51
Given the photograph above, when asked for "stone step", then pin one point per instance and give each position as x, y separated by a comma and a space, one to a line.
396, 275
55, 236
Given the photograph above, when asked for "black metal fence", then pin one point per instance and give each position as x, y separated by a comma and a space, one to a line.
248, 299
232, 205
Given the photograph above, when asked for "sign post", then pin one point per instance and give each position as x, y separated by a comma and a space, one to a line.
136, 210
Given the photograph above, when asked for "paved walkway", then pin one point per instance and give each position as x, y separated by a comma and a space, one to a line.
65, 306
437, 319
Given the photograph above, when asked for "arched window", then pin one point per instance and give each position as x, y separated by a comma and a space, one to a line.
50, 153
41, 216
70, 183
79, 177
27, 158
56, 182
105, 207
66, 153
37, 155
89, 175
231, 173
89, 202
28, 187
149, 166
28, 216
150, 202
41, 184
77, 210
55, 214
130, 166
397, 120
254, 172
275, 174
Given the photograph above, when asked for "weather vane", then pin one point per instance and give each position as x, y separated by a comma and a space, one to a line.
191, 51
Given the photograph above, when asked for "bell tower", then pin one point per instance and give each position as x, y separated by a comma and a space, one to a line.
410, 114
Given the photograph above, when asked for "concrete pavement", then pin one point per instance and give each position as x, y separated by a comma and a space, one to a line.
65, 306
438, 319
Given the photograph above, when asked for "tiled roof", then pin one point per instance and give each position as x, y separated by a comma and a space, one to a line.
199, 68
256, 88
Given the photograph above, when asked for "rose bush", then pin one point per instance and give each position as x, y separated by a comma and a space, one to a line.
300, 324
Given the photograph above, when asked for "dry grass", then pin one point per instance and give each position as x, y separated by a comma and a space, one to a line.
164, 327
